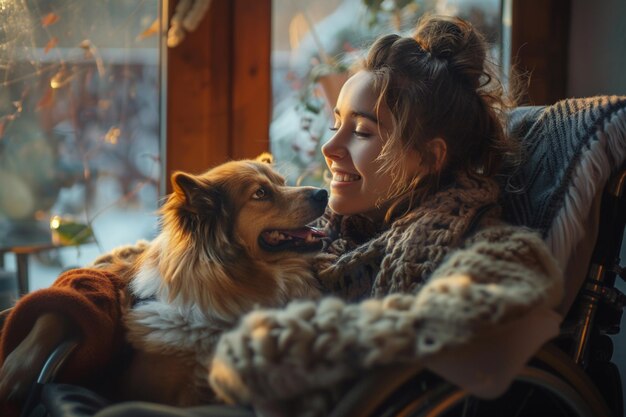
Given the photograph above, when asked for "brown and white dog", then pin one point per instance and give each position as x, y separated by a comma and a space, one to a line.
231, 239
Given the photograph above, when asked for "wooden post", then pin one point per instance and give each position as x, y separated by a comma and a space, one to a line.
251, 89
539, 44
218, 87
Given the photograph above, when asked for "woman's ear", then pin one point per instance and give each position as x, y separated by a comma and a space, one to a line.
438, 148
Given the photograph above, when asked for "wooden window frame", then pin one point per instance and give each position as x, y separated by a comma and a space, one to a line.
218, 89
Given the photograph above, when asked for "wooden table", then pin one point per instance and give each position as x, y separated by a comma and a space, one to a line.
24, 244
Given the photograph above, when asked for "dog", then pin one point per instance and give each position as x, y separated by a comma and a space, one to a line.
231, 239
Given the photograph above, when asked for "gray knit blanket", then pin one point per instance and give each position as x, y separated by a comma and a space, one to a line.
570, 150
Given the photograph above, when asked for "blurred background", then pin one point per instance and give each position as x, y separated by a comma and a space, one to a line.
96, 110
89, 111
80, 140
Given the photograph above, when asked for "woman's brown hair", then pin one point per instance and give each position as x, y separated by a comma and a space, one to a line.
439, 83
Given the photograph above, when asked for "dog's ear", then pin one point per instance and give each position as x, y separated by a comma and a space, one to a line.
265, 157
197, 203
186, 186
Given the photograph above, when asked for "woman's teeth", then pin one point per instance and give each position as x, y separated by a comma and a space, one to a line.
338, 177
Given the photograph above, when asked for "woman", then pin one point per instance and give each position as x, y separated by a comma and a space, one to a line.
414, 232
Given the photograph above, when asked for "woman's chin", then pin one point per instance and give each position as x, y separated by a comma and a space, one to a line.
346, 207
341, 206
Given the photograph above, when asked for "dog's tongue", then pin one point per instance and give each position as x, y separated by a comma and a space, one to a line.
301, 239
304, 232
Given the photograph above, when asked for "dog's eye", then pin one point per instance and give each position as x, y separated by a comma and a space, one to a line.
260, 194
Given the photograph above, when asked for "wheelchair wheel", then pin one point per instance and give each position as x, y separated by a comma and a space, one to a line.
535, 393
551, 386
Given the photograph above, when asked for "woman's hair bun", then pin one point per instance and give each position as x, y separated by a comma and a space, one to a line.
457, 42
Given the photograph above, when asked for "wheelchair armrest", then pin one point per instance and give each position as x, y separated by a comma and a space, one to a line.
56, 359
3, 317
48, 373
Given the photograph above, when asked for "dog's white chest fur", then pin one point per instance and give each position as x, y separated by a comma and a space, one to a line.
157, 324
156, 327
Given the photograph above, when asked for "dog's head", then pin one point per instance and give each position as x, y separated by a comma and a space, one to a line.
233, 227
246, 203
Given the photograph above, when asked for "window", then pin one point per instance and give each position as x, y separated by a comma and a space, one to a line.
79, 125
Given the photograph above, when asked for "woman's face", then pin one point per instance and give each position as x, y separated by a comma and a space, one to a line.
357, 185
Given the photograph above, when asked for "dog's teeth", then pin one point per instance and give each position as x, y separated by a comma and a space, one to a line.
272, 237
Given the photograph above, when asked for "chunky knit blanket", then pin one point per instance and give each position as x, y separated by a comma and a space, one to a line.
433, 289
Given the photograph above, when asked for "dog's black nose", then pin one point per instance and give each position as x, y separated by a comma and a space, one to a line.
320, 195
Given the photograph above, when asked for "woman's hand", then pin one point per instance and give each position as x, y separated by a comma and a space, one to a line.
21, 366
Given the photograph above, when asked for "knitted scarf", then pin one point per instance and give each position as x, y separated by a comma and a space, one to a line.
399, 258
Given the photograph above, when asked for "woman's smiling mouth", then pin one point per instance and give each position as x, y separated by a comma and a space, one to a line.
345, 177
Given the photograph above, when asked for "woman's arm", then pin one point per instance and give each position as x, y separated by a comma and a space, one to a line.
502, 273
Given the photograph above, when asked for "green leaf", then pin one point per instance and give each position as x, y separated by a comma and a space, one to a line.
401, 4
69, 232
372, 4
313, 107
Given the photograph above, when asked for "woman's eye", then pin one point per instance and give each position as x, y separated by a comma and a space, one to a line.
362, 134
260, 194
334, 128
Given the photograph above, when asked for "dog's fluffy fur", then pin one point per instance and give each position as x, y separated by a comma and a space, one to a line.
231, 239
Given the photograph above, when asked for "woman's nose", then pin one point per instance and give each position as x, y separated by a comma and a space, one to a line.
334, 149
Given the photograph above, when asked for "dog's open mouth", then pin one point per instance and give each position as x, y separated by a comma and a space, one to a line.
301, 240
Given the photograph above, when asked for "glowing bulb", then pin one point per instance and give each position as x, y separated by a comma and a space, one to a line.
112, 135
57, 80
55, 222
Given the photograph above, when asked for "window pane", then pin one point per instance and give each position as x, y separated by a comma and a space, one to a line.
315, 41
79, 125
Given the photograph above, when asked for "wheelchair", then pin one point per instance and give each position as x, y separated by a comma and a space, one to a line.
572, 375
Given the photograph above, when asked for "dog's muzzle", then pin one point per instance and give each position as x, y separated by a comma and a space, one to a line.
301, 239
